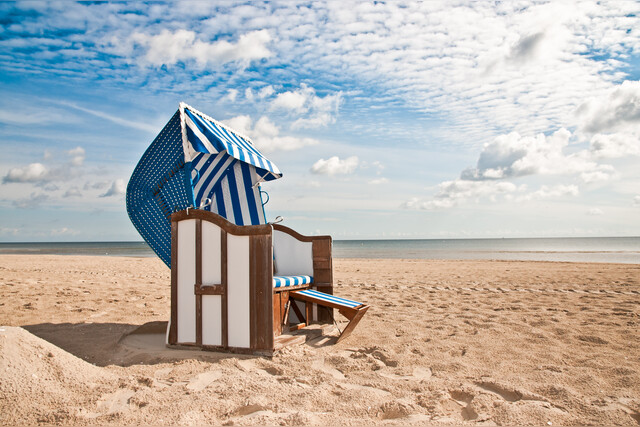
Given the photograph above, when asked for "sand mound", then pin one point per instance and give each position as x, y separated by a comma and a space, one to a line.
41, 382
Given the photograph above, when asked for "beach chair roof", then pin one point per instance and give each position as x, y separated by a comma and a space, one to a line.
196, 162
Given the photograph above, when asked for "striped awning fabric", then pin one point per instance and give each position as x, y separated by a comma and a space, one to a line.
196, 162
226, 186
202, 134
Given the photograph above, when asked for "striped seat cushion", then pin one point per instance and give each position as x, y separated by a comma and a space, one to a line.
284, 281
329, 298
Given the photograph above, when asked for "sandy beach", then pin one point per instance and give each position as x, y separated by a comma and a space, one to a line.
445, 342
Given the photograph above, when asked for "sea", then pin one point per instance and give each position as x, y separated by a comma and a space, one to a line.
574, 249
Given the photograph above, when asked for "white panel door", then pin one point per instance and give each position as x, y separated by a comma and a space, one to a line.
186, 280
211, 254
238, 325
211, 320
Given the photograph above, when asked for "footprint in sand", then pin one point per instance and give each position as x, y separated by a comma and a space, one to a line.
203, 380
509, 393
376, 391
115, 402
419, 374
250, 365
464, 399
321, 366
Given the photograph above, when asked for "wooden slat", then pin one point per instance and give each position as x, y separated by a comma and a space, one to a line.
261, 295
173, 328
277, 314
236, 230
208, 289
353, 323
223, 263
290, 288
308, 313
297, 326
198, 281
322, 264
285, 317
323, 274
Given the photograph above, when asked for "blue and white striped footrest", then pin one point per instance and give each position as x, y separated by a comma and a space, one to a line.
284, 281
329, 298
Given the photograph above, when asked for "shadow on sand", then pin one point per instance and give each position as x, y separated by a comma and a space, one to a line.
124, 344
121, 344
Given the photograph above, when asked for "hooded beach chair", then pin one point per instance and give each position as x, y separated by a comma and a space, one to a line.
238, 283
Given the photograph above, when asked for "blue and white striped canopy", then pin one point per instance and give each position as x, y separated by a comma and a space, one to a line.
196, 162
205, 135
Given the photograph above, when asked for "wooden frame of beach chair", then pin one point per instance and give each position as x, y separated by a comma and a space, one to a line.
321, 271
222, 284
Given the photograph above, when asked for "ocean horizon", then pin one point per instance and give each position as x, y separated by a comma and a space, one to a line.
568, 249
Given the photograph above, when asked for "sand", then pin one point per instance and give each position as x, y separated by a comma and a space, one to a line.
445, 342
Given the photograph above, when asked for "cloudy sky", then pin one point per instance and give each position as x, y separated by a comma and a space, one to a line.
388, 120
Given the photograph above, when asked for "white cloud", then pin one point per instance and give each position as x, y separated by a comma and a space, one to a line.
600, 173
316, 111
117, 188
168, 48
615, 145
636, 201
72, 192
8, 231
266, 92
29, 116
378, 181
453, 193
595, 212
377, 165
32, 202
551, 192
513, 155
462, 190
34, 172
114, 119
618, 111
232, 94
77, 156
484, 67
335, 166
528, 48
248, 93
294, 100
266, 135
96, 185
438, 204
64, 231
242, 124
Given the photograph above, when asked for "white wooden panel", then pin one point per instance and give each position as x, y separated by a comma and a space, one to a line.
238, 325
186, 280
293, 257
211, 267
211, 320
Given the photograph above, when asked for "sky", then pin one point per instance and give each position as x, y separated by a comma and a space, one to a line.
389, 120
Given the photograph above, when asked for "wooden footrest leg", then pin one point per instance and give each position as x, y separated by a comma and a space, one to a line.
353, 323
